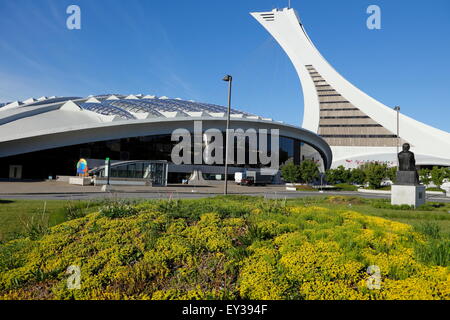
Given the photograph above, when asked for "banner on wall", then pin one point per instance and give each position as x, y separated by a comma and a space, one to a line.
358, 162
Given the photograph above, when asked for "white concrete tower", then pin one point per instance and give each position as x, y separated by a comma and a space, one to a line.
358, 128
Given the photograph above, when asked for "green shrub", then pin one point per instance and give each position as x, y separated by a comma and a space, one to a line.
306, 172
290, 172
391, 174
13, 253
228, 248
226, 207
424, 176
438, 175
79, 209
429, 229
357, 176
305, 188
430, 206
118, 209
36, 225
309, 171
345, 187
338, 175
375, 173
384, 204
434, 252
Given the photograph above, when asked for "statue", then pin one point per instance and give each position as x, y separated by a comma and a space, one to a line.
407, 173
407, 190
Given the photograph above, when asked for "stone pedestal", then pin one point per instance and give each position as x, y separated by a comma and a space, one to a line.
446, 186
107, 188
413, 195
81, 181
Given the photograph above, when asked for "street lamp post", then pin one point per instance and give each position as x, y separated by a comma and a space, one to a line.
397, 108
107, 169
228, 79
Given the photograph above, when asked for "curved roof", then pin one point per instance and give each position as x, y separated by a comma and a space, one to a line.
58, 114
37, 124
55, 112
122, 105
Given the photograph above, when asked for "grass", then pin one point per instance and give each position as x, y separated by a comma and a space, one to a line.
21, 217
305, 188
345, 187
15, 214
382, 188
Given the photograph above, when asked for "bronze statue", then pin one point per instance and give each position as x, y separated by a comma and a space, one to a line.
407, 173
406, 159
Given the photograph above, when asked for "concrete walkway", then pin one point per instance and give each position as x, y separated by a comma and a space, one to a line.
52, 187
54, 190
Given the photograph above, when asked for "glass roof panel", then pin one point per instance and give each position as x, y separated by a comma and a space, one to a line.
107, 110
124, 107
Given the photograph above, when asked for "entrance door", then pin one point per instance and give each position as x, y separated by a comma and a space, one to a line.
15, 172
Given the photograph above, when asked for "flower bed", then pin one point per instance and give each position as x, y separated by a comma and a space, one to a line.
223, 248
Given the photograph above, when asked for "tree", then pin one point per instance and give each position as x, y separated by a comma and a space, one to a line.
391, 174
357, 176
424, 175
309, 171
338, 175
343, 174
447, 173
438, 175
290, 172
330, 176
375, 173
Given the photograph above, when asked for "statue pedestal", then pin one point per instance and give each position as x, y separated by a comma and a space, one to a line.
413, 195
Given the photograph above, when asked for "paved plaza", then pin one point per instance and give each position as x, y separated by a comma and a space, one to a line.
62, 190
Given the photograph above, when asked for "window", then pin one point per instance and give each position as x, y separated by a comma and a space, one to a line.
358, 136
85, 152
124, 155
346, 117
331, 102
340, 109
349, 125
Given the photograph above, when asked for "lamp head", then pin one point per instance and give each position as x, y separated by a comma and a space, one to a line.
227, 78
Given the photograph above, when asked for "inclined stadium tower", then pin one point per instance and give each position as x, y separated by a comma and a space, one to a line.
357, 127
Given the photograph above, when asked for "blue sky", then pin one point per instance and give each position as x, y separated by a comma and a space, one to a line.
182, 48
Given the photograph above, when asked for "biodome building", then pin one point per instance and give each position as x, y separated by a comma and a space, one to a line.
46, 137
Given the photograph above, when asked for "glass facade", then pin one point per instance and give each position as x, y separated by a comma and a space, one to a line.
154, 171
62, 161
